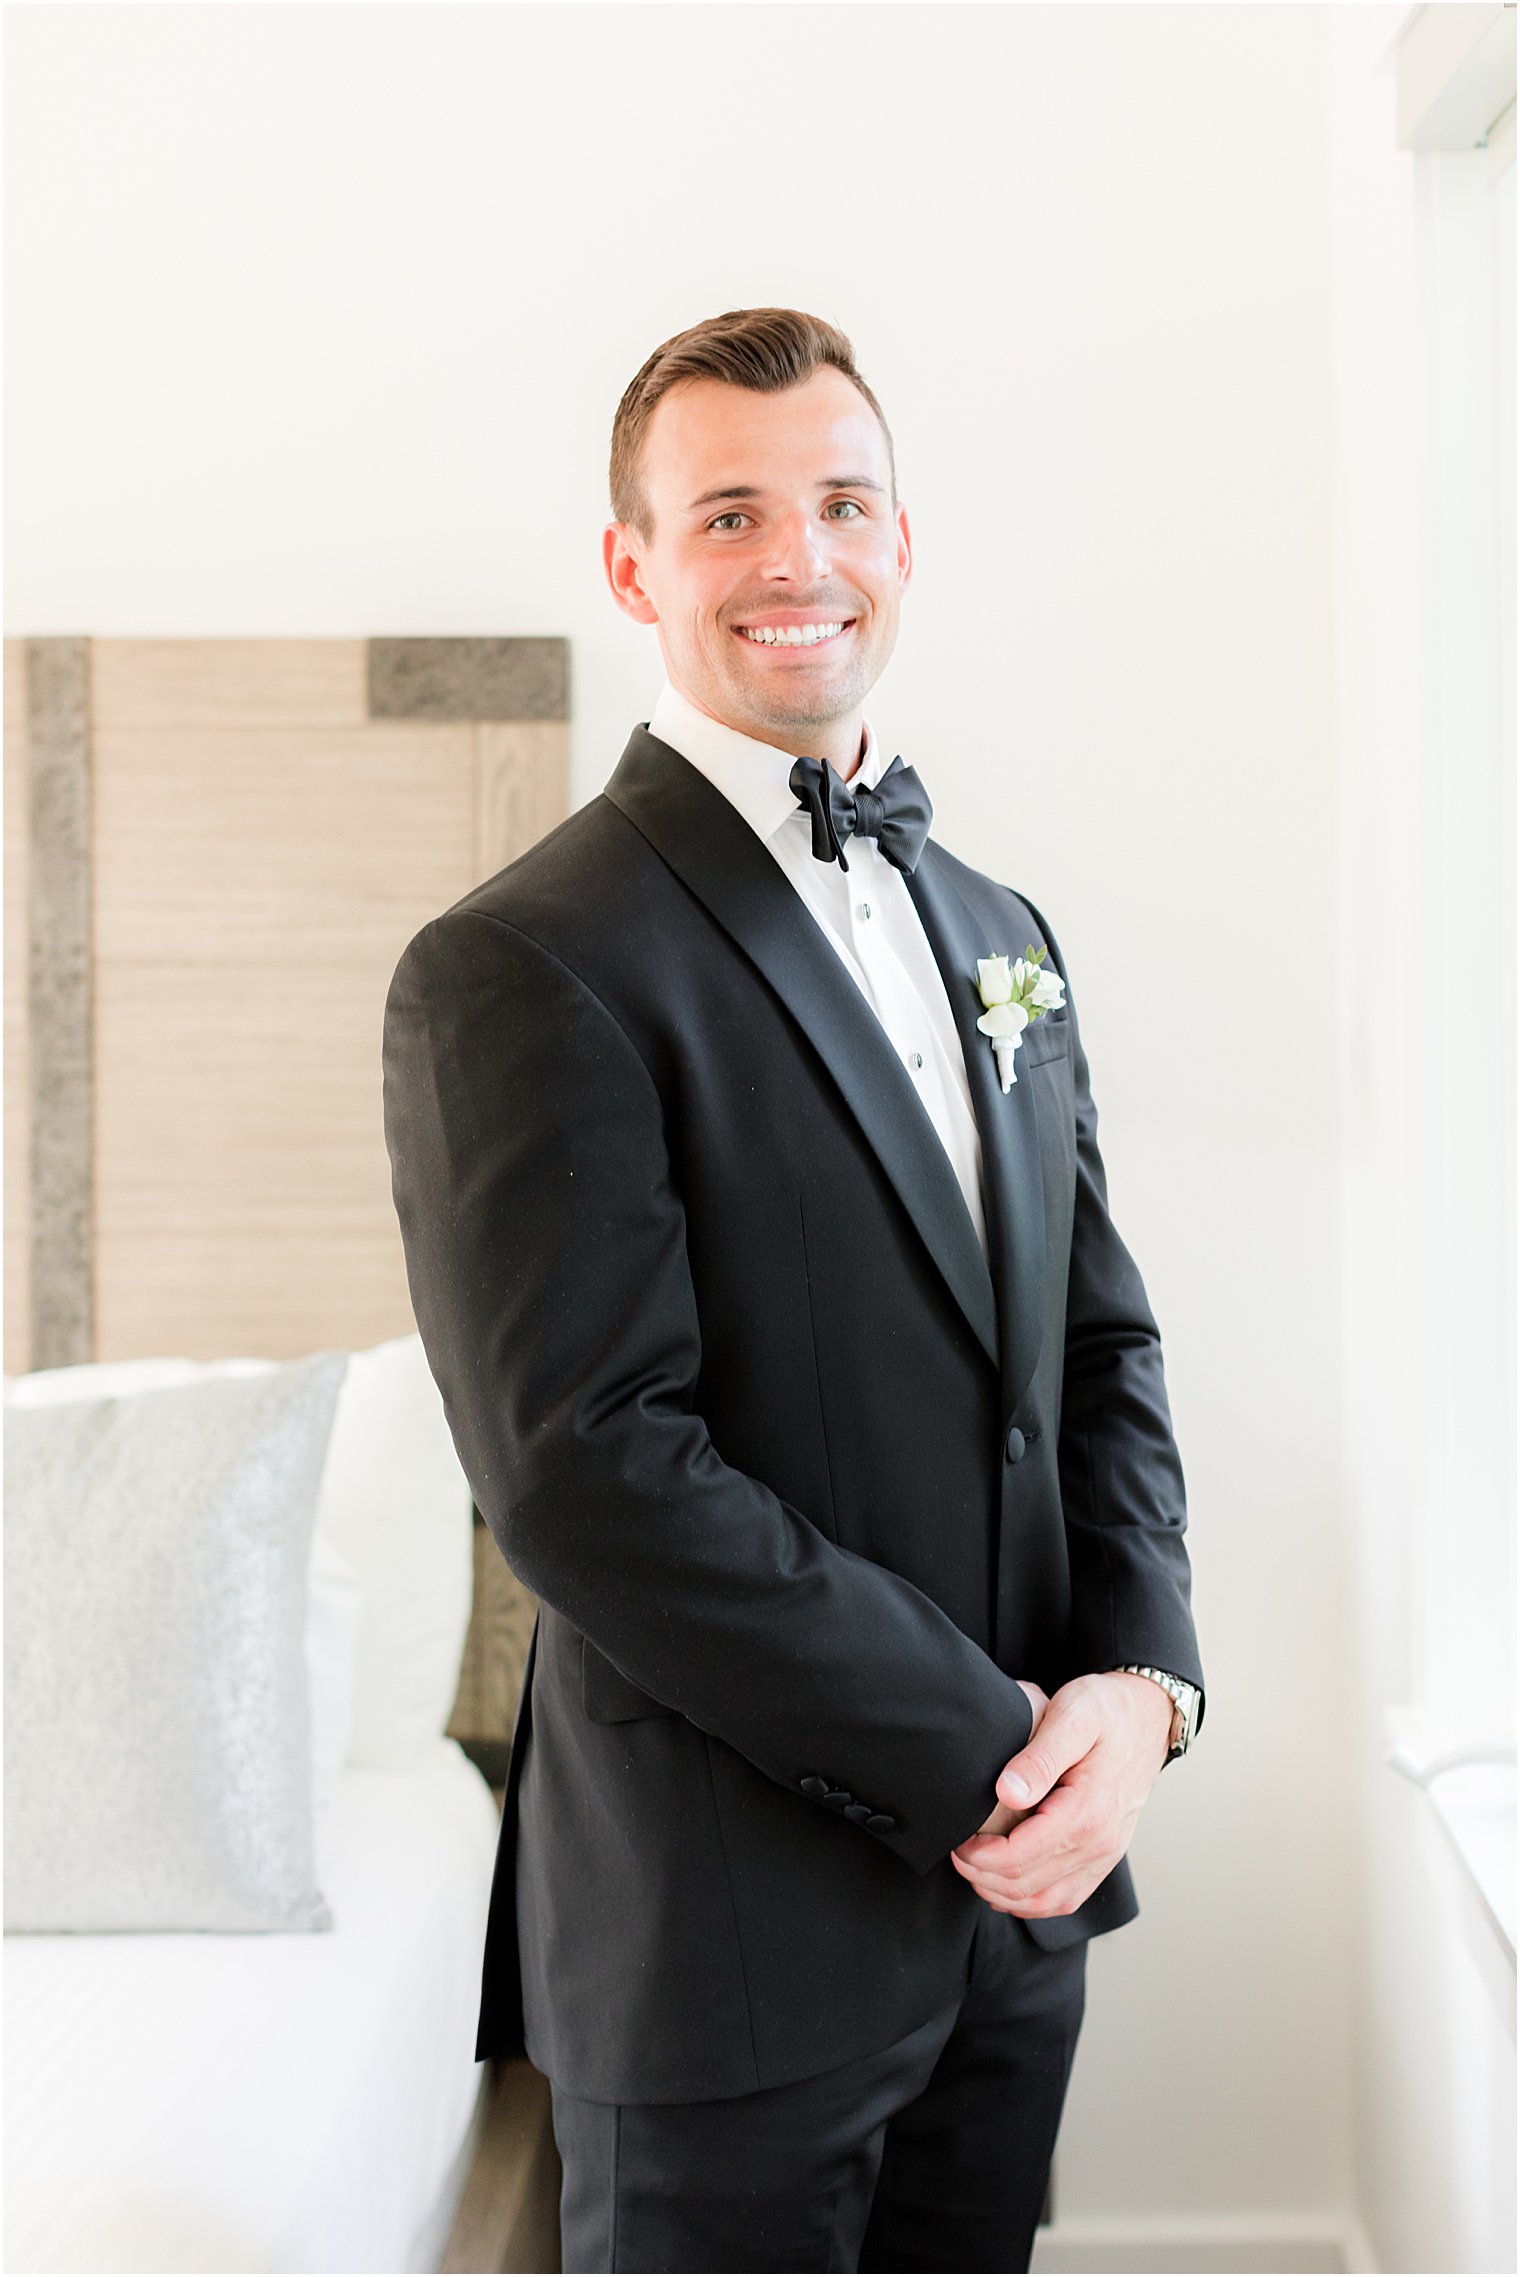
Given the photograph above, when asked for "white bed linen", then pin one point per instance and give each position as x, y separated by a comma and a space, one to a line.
281, 2101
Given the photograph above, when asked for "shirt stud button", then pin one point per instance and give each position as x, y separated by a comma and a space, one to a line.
865, 909
918, 1059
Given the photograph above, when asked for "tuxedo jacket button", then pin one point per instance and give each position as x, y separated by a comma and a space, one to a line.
837, 1797
880, 1822
1015, 1445
815, 1786
859, 1812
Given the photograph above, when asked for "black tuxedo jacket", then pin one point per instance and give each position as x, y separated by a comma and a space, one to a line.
801, 1487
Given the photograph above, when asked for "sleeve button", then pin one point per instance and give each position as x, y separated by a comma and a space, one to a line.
815, 1786
837, 1797
880, 1822
859, 1812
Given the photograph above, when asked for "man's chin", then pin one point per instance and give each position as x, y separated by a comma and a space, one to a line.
774, 711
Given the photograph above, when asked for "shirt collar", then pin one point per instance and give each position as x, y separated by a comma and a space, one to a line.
751, 775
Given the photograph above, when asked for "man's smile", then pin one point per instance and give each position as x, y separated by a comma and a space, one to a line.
790, 636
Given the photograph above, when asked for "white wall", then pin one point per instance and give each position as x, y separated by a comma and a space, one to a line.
317, 319
1435, 2061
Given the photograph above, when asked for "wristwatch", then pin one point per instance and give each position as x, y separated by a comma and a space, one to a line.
1184, 1698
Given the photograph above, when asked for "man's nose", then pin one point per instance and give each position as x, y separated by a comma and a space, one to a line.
797, 550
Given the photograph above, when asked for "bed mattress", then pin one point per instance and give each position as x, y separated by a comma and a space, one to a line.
298, 2101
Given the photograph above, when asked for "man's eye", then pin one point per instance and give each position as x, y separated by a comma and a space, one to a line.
732, 514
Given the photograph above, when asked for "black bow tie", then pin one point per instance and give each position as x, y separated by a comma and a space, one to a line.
897, 814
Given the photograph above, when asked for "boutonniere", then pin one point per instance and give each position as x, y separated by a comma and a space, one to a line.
1014, 994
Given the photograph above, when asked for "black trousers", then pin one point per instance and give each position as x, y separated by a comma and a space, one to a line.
933, 2154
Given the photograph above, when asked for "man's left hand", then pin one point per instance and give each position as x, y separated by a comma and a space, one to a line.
1081, 1783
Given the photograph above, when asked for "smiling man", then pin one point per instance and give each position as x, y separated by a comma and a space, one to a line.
746, 1164
765, 654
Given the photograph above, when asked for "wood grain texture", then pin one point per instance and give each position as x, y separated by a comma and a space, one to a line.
522, 775
496, 1648
17, 1135
263, 854
262, 851
508, 2217
261, 846
239, 1096
230, 683
243, 1187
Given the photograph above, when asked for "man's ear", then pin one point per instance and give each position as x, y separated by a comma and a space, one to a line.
621, 560
904, 550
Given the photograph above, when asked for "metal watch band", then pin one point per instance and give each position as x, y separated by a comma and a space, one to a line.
1184, 1699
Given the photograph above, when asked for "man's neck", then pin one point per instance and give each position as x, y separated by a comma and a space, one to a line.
841, 742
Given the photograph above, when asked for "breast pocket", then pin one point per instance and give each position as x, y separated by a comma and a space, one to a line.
606, 1694
1047, 1038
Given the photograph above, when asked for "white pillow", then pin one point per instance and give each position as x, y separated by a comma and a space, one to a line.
334, 1611
396, 1504
158, 1756
394, 1507
334, 1597
118, 1379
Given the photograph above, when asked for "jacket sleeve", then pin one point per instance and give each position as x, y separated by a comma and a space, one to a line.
1121, 1476
546, 1258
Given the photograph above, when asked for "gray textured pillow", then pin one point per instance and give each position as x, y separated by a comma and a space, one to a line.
157, 1756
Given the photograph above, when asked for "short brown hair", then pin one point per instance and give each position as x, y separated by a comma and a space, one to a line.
762, 348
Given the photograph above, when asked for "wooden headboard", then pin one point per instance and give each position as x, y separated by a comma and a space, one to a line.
215, 852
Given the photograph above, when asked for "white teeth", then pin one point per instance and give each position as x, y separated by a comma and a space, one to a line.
791, 636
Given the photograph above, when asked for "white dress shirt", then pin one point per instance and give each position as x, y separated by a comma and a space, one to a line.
867, 917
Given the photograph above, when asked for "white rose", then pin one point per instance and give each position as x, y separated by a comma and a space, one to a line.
1004, 1020
994, 980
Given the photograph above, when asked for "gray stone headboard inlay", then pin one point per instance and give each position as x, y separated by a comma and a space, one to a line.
60, 1009
484, 679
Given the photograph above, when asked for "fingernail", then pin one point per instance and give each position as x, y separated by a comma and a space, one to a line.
1013, 1789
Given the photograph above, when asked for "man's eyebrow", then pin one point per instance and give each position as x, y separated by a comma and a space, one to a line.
751, 490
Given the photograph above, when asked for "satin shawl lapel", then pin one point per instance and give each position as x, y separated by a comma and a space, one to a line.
1013, 1185
713, 850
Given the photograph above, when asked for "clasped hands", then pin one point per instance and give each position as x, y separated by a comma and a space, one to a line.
1068, 1801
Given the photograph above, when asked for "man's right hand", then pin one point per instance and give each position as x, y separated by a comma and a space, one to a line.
1004, 1817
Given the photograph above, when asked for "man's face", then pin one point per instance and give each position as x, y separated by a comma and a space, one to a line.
769, 510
